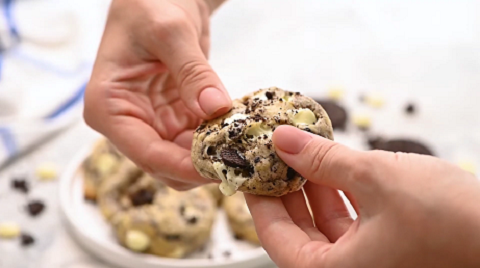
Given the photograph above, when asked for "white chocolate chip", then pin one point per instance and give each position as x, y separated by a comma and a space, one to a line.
375, 101
302, 117
230, 182
106, 163
9, 230
46, 171
362, 121
137, 240
258, 129
467, 166
234, 117
336, 93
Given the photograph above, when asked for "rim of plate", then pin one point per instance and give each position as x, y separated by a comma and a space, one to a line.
117, 255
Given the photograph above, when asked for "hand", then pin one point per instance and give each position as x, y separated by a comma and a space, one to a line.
152, 84
414, 211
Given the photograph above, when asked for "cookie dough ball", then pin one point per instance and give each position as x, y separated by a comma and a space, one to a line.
152, 218
237, 147
103, 162
239, 218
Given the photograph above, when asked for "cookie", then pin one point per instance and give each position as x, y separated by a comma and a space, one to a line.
103, 162
213, 189
237, 147
151, 218
239, 218
399, 145
337, 114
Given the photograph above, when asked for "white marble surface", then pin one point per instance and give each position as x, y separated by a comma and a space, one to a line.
427, 51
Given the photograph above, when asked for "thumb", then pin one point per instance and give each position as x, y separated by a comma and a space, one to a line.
200, 87
323, 161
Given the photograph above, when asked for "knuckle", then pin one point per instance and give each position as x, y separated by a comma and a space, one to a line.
168, 26
194, 73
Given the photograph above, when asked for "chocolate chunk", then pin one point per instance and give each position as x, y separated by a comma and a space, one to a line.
35, 207
192, 220
291, 173
142, 197
256, 160
338, 115
232, 158
26, 240
410, 108
269, 95
20, 185
400, 145
224, 171
201, 127
172, 237
247, 172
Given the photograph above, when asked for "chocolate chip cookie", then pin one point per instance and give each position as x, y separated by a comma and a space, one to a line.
103, 162
149, 217
239, 218
237, 147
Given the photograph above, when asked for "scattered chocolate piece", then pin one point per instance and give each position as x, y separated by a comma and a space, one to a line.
338, 115
35, 207
227, 254
400, 145
232, 158
291, 173
20, 185
410, 108
142, 197
26, 240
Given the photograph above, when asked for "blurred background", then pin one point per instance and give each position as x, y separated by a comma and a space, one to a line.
422, 52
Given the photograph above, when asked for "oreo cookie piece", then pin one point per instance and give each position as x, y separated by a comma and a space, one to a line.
338, 115
399, 145
35, 208
21, 185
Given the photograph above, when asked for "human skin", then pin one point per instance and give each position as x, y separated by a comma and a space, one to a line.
152, 84
414, 211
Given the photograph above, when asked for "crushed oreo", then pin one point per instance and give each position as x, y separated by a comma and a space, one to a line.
269, 95
35, 207
142, 197
26, 240
232, 158
399, 145
291, 173
20, 185
410, 108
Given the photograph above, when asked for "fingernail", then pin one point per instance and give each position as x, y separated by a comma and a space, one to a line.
290, 139
213, 101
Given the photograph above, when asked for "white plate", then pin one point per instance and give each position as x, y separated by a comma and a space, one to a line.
90, 229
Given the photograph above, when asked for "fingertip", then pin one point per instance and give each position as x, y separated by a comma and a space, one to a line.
214, 102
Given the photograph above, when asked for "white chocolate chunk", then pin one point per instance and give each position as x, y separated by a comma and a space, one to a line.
137, 240
230, 182
467, 166
258, 129
106, 163
234, 117
362, 121
375, 101
336, 93
302, 117
260, 96
9, 230
46, 171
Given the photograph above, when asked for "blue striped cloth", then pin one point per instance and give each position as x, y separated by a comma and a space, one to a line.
47, 48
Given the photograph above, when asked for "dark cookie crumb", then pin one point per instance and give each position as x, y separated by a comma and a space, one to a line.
192, 220
410, 108
20, 185
227, 254
269, 95
173, 237
26, 240
35, 207
238, 237
291, 173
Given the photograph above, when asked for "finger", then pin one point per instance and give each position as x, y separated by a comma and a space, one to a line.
323, 161
329, 211
185, 139
296, 206
353, 202
200, 87
279, 235
160, 158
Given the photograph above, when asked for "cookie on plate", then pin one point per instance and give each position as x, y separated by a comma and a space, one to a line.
103, 162
149, 217
237, 147
239, 218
